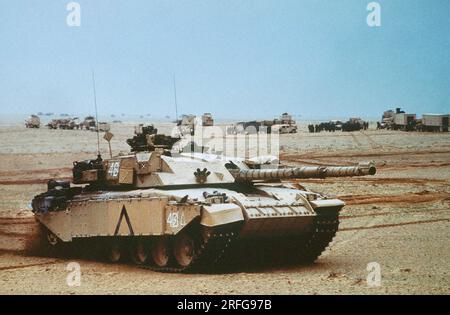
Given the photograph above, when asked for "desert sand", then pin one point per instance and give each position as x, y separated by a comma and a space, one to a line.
399, 218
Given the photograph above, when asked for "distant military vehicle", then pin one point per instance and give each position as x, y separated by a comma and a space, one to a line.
284, 128
74, 123
285, 124
404, 121
435, 122
64, 123
88, 123
33, 122
400, 120
249, 127
147, 139
189, 213
387, 120
60, 123
330, 126
355, 124
285, 119
207, 120
53, 124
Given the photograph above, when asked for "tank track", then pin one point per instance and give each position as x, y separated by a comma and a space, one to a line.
222, 250
289, 250
325, 228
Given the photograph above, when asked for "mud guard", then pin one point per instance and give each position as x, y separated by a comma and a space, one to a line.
220, 214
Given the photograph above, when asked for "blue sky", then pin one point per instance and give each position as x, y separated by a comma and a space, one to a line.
234, 58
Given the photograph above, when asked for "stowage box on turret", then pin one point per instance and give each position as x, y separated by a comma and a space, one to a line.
187, 213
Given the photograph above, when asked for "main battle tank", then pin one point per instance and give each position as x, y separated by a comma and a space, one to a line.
189, 213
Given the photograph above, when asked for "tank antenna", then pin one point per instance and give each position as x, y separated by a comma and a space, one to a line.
175, 94
96, 115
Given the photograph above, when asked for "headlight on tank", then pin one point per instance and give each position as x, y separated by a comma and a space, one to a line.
308, 196
311, 197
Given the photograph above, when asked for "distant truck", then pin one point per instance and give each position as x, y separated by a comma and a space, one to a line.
284, 128
250, 127
285, 118
435, 122
285, 124
404, 121
387, 120
64, 123
74, 123
88, 123
33, 122
61, 123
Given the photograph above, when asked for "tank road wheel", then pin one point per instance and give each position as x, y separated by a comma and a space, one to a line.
160, 252
52, 239
46, 243
184, 249
114, 253
140, 252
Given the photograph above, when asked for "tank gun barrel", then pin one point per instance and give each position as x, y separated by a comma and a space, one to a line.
362, 169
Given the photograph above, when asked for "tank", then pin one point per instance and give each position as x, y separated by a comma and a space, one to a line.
189, 213
33, 122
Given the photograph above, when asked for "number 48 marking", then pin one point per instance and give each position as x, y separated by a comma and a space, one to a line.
175, 219
172, 219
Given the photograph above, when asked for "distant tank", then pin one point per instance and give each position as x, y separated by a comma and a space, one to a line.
188, 213
147, 139
61, 123
33, 122
53, 124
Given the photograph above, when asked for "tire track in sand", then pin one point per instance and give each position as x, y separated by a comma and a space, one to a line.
387, 225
